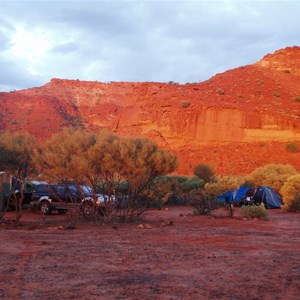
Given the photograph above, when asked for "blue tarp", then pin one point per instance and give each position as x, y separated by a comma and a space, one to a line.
234, 196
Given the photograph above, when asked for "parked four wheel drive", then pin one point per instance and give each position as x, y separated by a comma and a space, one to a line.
10, 191
59, 197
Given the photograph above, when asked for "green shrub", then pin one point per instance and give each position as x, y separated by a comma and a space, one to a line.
290, 191
203, 203
272, 175
185, 103
189, 185
221, 185
292, 147
220, 92
260, 82
204, 172
276, 94
297, 99
255, 212
174, 189
295, 205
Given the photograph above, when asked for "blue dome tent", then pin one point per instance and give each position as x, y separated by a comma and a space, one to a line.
268, 196
245, 195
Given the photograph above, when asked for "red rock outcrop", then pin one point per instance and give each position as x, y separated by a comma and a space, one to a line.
237, 120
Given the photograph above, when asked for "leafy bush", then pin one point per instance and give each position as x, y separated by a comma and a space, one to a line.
204, 172
185, 103
222, 185
203, 203
255, 212
297, 99
290, 192
272, 175
295, 205
189, 185
179, 187
292, 147
276, 94
220, 91
260, 82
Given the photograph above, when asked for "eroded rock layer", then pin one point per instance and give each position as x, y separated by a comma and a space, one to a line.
237, 120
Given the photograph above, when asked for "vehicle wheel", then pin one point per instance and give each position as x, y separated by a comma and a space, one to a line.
45, 208
61, 212
11, 204
102, 211
14, 201
88, 208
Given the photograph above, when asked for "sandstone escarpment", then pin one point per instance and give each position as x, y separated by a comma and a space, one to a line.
237, 120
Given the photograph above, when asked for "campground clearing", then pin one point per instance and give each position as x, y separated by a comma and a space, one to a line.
168, 254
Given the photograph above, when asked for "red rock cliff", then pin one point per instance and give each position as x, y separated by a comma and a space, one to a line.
237, 120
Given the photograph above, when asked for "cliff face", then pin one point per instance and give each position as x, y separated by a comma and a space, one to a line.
237, 120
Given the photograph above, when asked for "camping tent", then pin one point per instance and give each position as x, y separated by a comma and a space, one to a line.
235, 196
268, 196
246, 195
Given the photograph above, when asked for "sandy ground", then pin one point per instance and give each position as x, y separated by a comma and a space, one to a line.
169, 254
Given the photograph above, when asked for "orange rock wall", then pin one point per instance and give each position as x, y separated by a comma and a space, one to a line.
237, 120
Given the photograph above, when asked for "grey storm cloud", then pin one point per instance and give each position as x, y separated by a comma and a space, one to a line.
182, 41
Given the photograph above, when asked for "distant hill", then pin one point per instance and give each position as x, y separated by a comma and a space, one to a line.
237, 120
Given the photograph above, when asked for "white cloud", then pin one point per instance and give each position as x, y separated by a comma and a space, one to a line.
183, 41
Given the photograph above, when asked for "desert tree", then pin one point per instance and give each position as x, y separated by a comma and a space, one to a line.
219, 186
16, 153
201, 201
107, 161
141, 163
65, 158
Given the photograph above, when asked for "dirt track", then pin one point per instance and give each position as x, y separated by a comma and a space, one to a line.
175, 256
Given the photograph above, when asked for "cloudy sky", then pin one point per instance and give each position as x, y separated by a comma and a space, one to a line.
181, 41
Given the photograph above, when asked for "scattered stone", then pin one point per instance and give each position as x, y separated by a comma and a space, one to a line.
145, 226
166, 223
70, 226
148, 226
32, 227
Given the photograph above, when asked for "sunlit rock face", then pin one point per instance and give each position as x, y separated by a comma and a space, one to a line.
236, 121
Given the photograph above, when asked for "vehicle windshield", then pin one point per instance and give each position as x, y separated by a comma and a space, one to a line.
86, 190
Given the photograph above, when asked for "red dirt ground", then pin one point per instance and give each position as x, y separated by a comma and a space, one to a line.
175, 256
